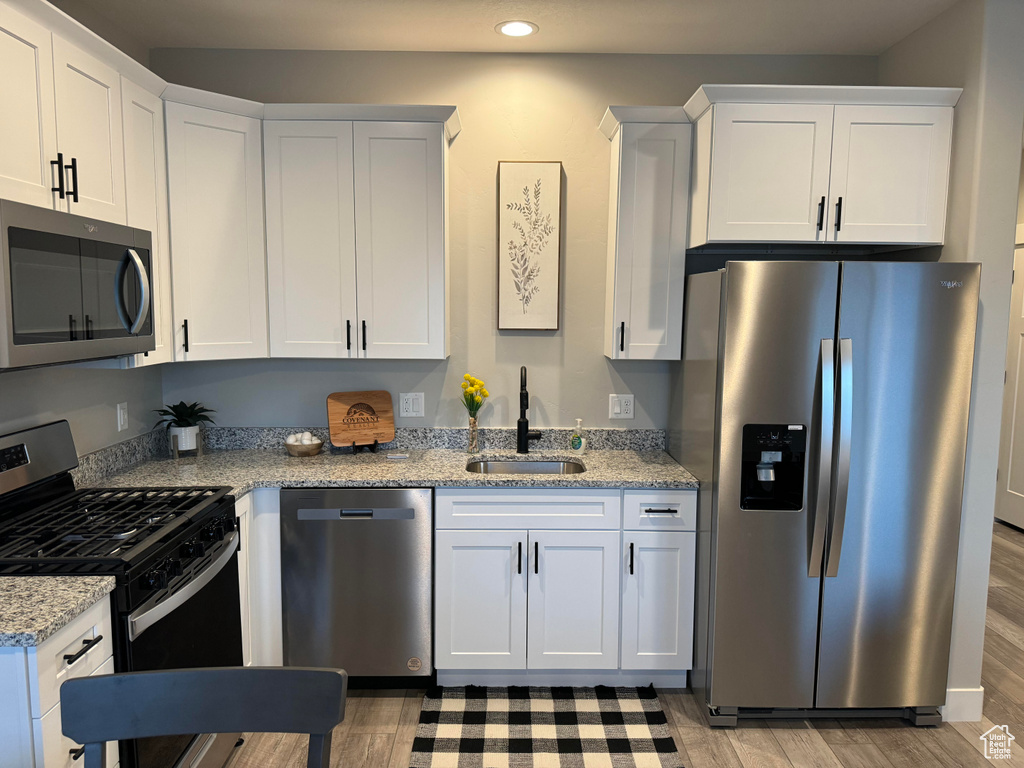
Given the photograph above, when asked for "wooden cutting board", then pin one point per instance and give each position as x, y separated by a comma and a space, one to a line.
360, 417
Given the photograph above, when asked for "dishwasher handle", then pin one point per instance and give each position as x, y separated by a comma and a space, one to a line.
345, 513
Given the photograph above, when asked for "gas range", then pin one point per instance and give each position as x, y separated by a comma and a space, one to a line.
172, 551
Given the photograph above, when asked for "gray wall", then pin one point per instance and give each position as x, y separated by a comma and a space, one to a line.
513, 107
976, 45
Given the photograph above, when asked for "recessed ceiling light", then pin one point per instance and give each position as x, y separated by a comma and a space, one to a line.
517, 28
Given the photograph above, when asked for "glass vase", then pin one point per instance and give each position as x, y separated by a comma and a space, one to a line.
473, 445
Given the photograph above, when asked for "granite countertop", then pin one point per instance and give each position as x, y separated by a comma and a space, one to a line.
245, 470
33, 608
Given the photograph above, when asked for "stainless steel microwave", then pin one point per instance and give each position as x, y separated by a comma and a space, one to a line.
72, 288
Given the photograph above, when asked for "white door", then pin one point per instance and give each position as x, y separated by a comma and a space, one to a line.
657, 599
1010, 486
574, 600
89, 132
400, 251
215, 175
480, 600
311, 263
145, 176
27, 122
769, 172
890, 169
650, 242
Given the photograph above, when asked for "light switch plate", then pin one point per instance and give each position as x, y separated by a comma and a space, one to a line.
620, 407
410, 405
122, 417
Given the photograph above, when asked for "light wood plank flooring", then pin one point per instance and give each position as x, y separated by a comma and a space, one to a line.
379, 726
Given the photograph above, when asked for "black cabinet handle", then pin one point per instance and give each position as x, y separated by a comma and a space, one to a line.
86, 645
519, 568
651, 511
364, 335
88, 327
73, 193
631, 558
622, 337
184, 328
821, 213
76, 753
839, 214
59, 162
71, 328
348, 334
536, 557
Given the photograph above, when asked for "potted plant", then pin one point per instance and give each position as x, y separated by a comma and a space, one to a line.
182, 421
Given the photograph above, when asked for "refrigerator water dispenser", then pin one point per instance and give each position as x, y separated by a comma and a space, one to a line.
772, 474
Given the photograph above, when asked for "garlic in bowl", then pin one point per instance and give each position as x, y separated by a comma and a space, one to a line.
303, 444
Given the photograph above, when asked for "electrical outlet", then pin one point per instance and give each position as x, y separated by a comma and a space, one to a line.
410, 405
620, 407
122, 417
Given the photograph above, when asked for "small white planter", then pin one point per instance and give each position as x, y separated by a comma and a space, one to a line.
188, 438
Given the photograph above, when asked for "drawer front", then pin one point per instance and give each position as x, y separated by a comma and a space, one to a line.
57, 749
561, 508
659, 510
48, 668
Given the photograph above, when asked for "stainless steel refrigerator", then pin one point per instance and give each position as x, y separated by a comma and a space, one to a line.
823, 407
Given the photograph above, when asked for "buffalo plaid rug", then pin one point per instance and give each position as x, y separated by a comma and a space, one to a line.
531, 727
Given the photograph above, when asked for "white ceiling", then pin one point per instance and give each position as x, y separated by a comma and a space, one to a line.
605, 26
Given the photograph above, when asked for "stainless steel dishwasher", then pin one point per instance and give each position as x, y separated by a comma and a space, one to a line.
356, 581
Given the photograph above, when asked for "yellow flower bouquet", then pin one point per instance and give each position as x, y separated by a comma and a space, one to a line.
474, 393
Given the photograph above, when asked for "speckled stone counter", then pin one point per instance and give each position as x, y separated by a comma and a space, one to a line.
249, 469
32, 608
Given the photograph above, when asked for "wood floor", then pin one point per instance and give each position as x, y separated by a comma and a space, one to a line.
380, 725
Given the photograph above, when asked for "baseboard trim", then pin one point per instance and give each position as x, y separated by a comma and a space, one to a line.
557, 677
963, 705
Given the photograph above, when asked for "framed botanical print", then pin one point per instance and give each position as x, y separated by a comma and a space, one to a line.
529, 245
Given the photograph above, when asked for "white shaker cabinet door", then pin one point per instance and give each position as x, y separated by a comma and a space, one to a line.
310, 238
145, 171
657, 599
770, 172
890, 171
574, 600
400, 239
215, 175
27, 122
480, 600
647, 258
89, 133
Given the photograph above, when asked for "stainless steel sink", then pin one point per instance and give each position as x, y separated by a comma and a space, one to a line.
526, 467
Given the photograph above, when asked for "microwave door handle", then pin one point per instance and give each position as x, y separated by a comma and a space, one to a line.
842, 485
826, 420
139, 622
144, 297
119, 303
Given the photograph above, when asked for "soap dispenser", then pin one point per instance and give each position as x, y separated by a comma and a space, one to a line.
578, 441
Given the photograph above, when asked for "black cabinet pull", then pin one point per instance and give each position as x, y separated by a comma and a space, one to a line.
88, 327
651, 511
76, 753
71, 328
536, 557
348, 334
59, 162
519, 568
364, 335
622, 337
839, 214
73, 193
631, 558
71, 658
184, 328
821, 213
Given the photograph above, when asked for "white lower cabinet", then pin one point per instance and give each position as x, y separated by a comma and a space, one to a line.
243, 511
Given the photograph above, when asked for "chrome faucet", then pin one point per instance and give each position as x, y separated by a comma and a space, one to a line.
523, 432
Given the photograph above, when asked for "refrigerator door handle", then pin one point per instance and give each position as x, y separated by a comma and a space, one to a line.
826, 417
842, 485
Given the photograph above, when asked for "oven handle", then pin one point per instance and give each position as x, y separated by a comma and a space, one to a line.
140, 622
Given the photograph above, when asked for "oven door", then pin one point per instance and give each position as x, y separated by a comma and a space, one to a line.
199, 625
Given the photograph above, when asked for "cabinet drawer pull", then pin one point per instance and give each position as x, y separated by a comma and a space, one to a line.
76, 753
348, 334
821, 214
59, 162
650, 511
631, 558
364, 335
71, 658
73, 190
519, 567
184, 328
622, 337
839, 214
536, 557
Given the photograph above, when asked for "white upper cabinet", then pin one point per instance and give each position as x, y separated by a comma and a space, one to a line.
400, 206
89, 133
889, 168
27, 122
145, 171
311, 260
215, 174
648, 209
807, 164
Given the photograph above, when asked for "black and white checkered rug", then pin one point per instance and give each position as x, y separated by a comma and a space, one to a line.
532, 727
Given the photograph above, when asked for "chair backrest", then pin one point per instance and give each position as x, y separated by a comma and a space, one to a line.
135, 705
